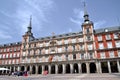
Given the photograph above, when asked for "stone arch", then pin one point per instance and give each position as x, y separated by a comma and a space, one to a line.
22, 68
104, 67
33, 70
67, 68
60, 69
75, 68
28, 68
39, 69
53, 69
92, 68
46, 68
113, 65
84, 70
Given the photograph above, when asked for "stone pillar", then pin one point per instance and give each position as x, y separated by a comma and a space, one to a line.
10, 69
30, 69
49, 69
43, 68
18, 68
64, 70
109, 68
14, 68
118, 66
99, 64
36, 69
97, 67
71, 68
79, 67
56, 69
25, 68
88, 69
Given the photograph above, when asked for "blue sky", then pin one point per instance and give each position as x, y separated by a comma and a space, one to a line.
58, 16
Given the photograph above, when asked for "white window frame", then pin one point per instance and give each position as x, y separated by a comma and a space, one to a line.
109, 44
117, 43
102, 55
108, 36
73, 40
99, 38
111, 54
90, 46
118, 53
101, 46
60, 49
66, 41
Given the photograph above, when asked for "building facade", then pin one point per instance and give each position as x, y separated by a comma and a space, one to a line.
87, 51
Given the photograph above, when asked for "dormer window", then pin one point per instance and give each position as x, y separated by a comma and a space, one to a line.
106, 30
87, 30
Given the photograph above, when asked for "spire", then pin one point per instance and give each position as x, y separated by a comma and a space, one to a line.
86, 16
30, 25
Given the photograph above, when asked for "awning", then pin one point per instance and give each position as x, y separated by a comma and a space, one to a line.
3, 69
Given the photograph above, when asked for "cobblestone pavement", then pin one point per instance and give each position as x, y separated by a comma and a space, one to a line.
65, 77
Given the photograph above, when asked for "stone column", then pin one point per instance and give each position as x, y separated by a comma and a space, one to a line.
109, 68
18, 68
118, 66
43, 68
88, 69
49, 69
14, 68
10, 68
30, 69
99, 64
25, 68
56, 69
79, 67
36, 69
64, 68
71, 68
97, 67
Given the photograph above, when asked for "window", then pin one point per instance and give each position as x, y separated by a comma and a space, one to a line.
14, 55
87, 30
46, 51
66, 48
91, 55
82, 56
101, 45
18, 54
81, 47
80, 39
11, 55
13, 62
118, 53
24, 53
73, 40
99, 38
117, 43
6, 62
47, 44
3, 55
102, 55
15, 49
6, 55
59, 50
88, 38
41, 45
4, 50
115, 35
9, 61
108, 37
66, 41
73, 47
59, 42
17, 61
0, 55
111, 54
74, 56
109, 44
90, 47
59, 58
